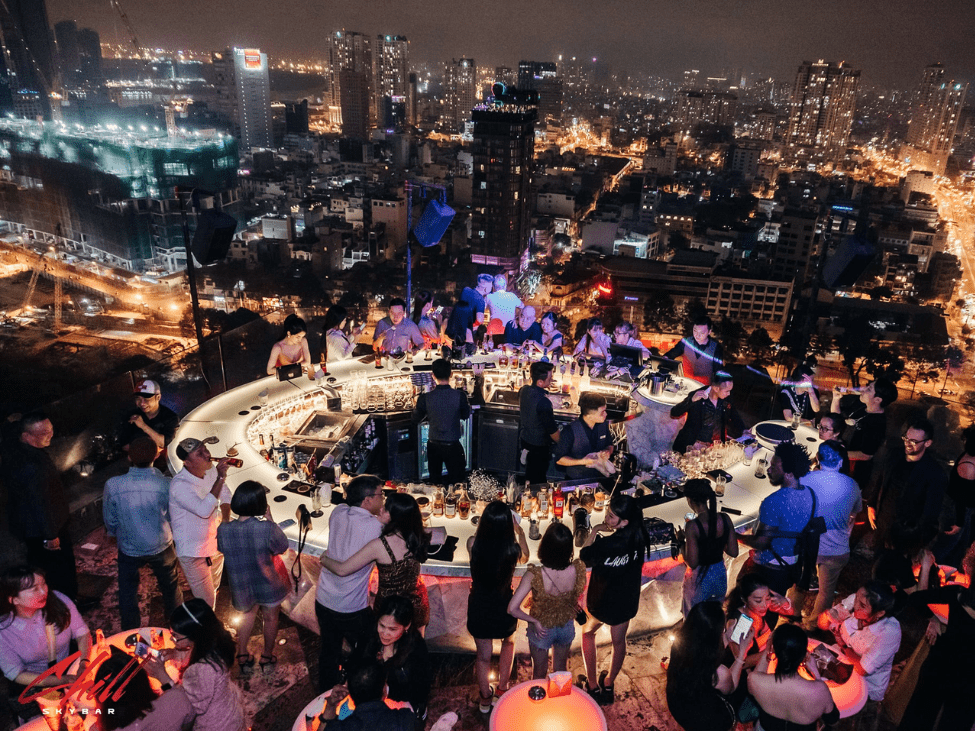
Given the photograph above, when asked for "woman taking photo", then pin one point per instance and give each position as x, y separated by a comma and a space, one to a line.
139, 708
613, 598
338, 345
555, 590
292, 348
495, 548
36, 629
426, 318
398, 553
697, 682
216, 701
786, 699
707, 539
252, 546
403, 653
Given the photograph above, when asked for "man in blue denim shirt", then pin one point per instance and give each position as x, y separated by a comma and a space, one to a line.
136, 510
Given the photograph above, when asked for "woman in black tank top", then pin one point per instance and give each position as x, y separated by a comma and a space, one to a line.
708, 537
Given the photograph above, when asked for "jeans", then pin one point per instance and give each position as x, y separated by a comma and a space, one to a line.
334, 628
450, 454
536, 464
163, 565
203, 574
58, 565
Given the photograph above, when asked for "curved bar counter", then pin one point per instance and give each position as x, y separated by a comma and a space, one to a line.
358, 414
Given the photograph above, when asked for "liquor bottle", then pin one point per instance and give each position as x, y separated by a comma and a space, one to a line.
450, 505
261, 438
324, 357
527, 502
558, 502
438, 503
543, 503
585, 382
379, 360
600, 503
463, 505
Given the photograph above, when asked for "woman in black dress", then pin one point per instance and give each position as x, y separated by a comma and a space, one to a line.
495, 548
613, 597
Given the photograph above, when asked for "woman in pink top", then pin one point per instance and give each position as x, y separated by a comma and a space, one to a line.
215, 699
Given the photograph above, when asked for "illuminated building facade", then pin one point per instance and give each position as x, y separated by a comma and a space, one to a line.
253, 90
935, 113
460, 82
348, 56
503, 149
28, 58
706, 105
391, 75
821, 111
542, 76
108, 193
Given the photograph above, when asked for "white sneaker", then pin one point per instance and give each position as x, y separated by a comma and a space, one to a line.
445, 722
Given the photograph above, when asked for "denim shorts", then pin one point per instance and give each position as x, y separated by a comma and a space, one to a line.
553, 636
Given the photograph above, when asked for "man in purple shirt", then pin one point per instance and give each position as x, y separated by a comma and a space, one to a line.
342, 602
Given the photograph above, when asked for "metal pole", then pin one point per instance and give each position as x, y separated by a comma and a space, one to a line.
223, 369
191, 276
409, 257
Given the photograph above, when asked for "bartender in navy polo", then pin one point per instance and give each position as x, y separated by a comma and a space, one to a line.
538, 428
585, 440
445, 408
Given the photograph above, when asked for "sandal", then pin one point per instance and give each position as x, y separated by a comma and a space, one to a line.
606, 695
595, 693
246, 662
267, 661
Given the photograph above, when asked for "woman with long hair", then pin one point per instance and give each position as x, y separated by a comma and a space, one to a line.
216, 700
292, 347
555, 588
551, 337
401, 649
786, 699
138, 708
497, 545
613, 597
952, 544
459, 328
708, 538
252, 546
752, 596
426, 318
398, 553
697, 682
338, 344
595, 343
36, 629
799, 395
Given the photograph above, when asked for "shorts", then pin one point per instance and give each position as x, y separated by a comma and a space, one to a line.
553, 636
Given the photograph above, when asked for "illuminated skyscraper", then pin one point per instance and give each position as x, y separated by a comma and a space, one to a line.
935, 112
244, 95
460, 82
542, 76
821, 112
504, 147
28, 56
391, 71
349, 54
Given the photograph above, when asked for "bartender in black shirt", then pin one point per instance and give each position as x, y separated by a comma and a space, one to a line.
538, 428
586, 441
866, 424
445, 408
710, 415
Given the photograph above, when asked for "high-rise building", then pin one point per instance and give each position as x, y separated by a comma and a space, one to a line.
503, 150
25, 34
821, 112
354, 99
542, 76
79, 54
706, 105
935, 113
350, 51
244, 95
391, 74
460, 83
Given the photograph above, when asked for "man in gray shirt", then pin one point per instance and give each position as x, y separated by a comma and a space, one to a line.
136, 511
396, 332
445, 408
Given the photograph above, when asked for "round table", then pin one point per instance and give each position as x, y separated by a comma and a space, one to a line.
807, 436
851, 697
574, 712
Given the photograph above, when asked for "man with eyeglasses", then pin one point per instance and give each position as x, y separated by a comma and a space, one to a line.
151, 418
342, 602
910, 484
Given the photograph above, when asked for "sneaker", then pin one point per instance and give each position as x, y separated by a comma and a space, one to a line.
445, 722
485, 706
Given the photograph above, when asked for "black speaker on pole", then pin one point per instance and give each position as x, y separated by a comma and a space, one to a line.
433, 223
214, 232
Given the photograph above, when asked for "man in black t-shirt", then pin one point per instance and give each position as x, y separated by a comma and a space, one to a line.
151, 418
866, 424
539, 432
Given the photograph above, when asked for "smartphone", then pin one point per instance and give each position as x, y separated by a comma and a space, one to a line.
286, 523
741, 628
143, 650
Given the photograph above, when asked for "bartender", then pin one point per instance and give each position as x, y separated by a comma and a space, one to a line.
701, 354
586, 445
395, 332
710, 415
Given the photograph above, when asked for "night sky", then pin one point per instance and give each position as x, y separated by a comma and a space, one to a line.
889, 40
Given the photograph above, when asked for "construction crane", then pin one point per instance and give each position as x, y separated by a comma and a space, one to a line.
142, 52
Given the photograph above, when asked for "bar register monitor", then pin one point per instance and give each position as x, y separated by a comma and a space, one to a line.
626, 356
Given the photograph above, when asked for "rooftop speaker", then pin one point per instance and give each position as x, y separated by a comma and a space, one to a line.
433, 223
214, 232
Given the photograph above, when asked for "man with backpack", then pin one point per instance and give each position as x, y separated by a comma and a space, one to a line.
782, 518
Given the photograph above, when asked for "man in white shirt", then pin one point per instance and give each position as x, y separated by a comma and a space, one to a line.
342, 602
503, 306
837, 502
195, 494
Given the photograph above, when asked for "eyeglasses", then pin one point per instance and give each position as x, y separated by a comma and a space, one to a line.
823, 427
913, 442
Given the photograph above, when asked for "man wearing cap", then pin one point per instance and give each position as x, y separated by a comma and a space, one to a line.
152, 419
195, 493
136, 510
